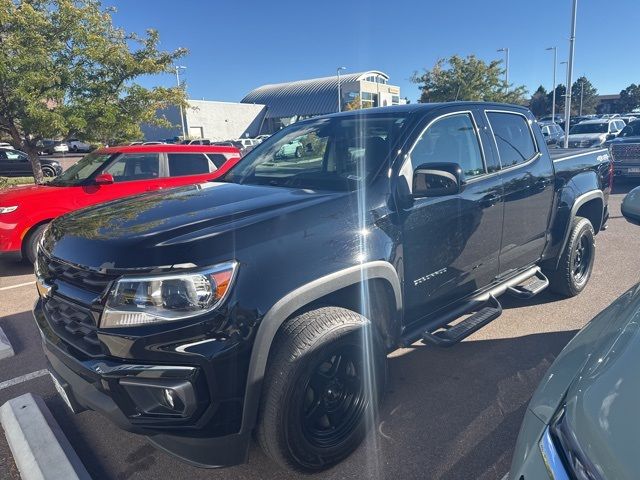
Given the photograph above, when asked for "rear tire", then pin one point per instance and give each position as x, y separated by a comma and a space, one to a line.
319, 397
48, 172
576, 261
31, 243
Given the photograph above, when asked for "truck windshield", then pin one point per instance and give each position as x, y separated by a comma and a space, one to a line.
631, 130
331, 153
82, 170
589, 128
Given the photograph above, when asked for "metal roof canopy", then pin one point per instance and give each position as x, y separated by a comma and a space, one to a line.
316, 96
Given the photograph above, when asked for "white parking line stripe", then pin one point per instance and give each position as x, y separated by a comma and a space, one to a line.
17, 286
23, 378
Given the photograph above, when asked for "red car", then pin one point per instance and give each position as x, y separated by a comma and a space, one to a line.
103, 175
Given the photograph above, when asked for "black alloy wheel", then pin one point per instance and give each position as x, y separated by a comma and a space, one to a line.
334, 400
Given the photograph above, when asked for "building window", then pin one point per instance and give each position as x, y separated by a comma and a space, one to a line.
395, 99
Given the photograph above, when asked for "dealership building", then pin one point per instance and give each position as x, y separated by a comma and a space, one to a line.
270, 107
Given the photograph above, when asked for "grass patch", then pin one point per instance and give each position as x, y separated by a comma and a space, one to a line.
10, 181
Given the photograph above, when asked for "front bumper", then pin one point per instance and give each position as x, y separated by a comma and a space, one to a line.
101, 384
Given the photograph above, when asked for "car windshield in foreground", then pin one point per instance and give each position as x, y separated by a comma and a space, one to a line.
589, 128
82, 170
331, 153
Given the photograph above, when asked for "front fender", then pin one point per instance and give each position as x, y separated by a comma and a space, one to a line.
290, 303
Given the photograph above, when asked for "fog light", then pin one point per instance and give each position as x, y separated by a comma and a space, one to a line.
161, 396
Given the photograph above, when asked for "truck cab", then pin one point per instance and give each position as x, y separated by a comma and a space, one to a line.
265, 302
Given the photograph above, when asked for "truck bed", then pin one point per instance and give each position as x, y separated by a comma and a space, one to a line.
577, 159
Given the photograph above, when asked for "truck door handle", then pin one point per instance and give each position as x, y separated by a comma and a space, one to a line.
490, 200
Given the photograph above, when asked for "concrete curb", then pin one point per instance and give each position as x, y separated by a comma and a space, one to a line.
40, 449
6, 350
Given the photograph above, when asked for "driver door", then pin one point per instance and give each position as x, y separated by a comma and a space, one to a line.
451, 243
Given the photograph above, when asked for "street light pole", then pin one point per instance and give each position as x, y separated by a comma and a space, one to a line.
555, 62
572, 41
184, 133
339, 94
566, 75
506, 63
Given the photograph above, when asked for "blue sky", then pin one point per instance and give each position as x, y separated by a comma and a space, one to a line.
235, 46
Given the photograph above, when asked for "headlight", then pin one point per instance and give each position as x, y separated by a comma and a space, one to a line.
8, 209
562, 453
163, 298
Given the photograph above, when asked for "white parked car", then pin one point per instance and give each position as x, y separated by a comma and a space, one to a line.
49, 147
76, 145
5, 145
593, 133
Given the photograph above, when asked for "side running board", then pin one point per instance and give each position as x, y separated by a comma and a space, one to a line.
530, 287
450, 335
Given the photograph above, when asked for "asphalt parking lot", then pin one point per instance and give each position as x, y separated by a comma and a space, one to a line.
449, 413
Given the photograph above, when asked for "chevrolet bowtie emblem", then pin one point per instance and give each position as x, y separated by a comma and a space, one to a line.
44, 289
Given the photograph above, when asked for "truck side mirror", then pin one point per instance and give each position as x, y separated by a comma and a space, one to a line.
631, 206
437, 180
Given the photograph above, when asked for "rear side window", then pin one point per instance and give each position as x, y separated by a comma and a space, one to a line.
181, 164
513, 138
132, 167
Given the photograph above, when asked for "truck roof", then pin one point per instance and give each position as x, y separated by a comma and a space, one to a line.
414, 107
169, 148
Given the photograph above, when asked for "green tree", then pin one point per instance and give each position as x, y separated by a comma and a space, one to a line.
355, 104
539, 104
629, 98
583, 89
469, 78
66, 70
561, 92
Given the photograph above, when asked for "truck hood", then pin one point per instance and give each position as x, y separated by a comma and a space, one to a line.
587, 136
635, 139
194, 225
602, 402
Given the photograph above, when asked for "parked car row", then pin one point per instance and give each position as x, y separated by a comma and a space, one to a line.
266, 302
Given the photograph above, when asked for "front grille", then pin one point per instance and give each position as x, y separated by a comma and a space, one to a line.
626, 152
52, 269
73, 324
70, 318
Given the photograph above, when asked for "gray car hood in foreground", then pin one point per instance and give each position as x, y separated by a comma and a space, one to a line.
603, 399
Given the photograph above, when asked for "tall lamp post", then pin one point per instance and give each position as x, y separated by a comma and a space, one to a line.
566, 125
555, 62
178, 68
338, 70
506, 63
572, 41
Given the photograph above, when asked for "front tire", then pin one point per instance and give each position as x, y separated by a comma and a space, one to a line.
576, 262
31, 243
319, 395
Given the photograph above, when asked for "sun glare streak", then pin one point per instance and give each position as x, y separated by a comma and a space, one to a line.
371, 445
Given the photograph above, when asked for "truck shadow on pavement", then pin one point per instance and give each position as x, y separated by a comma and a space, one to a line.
12, 268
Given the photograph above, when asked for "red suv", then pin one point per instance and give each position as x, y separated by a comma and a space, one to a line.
103, 175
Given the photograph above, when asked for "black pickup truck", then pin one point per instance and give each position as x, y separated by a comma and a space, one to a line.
266, 302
